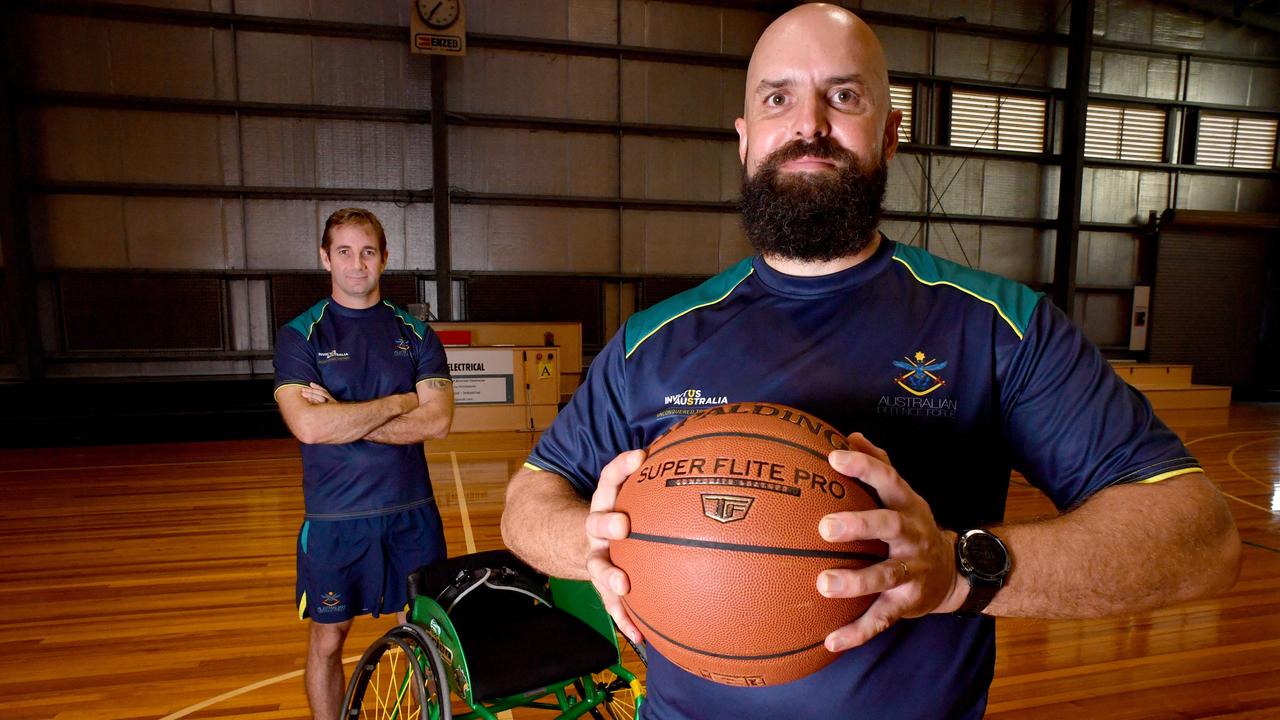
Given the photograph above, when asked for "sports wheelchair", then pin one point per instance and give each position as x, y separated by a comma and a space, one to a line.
496, 633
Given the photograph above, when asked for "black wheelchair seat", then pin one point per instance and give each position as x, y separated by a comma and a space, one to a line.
514, 645
513, 642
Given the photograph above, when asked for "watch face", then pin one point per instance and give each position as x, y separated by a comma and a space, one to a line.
985, 555
439, 14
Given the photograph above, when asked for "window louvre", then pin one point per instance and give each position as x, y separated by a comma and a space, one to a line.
997, 122
1124, 133
900, 97
1240, 142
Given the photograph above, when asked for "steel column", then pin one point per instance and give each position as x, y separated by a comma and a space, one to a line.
19, 275
440, 187
1071, 179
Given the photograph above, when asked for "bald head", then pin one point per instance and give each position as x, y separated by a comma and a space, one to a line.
818, 30
818, 71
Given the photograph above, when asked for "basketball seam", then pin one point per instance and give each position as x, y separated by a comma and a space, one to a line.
755, 436
722, 656
759, 549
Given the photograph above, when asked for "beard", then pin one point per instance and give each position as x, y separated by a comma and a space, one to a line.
813, 217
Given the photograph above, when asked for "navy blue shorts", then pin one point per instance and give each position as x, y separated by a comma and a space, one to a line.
360, 566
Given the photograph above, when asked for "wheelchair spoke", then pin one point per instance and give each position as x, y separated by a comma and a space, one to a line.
388, 683
619, 696
403, 680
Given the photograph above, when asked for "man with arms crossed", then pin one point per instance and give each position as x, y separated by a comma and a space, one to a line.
361, 384
836, 319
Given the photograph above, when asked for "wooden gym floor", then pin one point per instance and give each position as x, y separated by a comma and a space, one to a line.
156, 581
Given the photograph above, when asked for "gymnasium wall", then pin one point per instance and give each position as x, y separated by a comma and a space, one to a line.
1212, 304
1110, 258
178, 158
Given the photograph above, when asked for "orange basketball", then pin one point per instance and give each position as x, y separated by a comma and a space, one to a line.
724, 550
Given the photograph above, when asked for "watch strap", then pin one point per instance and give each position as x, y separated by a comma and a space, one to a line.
980, 595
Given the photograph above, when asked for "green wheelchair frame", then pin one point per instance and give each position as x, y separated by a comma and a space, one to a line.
410, 672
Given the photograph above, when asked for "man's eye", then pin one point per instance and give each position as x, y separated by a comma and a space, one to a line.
776, 100
844, 96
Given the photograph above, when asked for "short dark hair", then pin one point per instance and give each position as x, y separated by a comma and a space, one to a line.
353, 216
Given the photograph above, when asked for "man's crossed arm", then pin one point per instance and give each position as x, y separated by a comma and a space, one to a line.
316, 418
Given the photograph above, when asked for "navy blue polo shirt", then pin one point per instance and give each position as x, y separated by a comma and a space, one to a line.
961, 376
360, 355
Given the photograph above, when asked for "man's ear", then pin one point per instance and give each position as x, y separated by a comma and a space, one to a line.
891, 125
324, 259
741, 126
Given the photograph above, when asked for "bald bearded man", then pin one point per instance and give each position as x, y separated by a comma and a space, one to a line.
820, 319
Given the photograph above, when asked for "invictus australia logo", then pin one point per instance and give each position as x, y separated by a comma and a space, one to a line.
690, 401
726, 508
692, 397
332, 356
402, 347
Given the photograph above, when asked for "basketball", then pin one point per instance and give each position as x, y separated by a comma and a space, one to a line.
724, 551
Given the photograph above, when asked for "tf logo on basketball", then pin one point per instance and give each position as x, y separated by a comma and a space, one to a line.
726, 508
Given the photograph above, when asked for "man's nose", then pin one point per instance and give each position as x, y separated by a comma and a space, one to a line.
811, 120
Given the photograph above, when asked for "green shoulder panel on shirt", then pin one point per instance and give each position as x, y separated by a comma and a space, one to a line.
644, 324
412, 322
308, 319
1014, 301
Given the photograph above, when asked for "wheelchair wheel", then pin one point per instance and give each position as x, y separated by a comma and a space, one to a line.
398, 678
619, 697
435, 674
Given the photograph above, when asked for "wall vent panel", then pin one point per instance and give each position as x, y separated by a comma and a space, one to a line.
108, 311
524, 298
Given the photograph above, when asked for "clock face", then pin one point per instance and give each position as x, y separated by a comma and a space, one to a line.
439, 14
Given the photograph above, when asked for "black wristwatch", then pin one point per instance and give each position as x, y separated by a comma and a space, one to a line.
984, 560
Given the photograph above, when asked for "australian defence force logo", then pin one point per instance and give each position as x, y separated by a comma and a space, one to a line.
331, 602
921, 377
920, 380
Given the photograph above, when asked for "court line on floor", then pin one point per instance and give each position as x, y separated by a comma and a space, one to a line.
241, 691
1231, 434
1231, 460
1246, 502
1259, 546
462, 504
1222, 435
